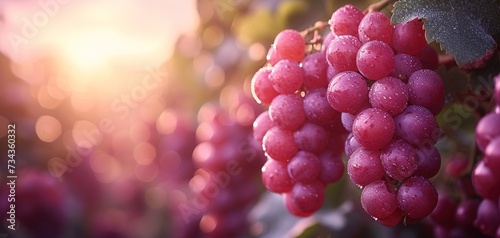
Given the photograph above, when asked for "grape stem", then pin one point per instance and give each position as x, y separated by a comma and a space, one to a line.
378, 6
318, 26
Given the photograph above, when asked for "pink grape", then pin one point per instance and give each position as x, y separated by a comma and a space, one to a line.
332, 167
399, 160
492, 155
364, 167
409, 38
485, 181
345, 20
417, 197
275, 177
287, 111
487, 129
261, 125
378, 199
488, 217
426, 88
318, 110
342, 51
304, 167
279, 144
373, 128
306, 198
347, 92
417, 126
375, 60
262, 88
315, 71
311, 137
405, 65
389, 94
286, 76
289, 44
428, 161
375, 26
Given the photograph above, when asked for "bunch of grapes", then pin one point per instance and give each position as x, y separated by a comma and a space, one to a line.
227, 159
456, 213
388, 97
379, 79
485, 176
301, 134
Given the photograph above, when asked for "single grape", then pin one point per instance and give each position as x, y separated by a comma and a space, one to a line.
428, 161
485, 181
286, 76
272, 56
389, 94
417, 126
375, 26
345, 20
332, 167
405, 65
488, 217
492, 155
331, 72
275, 177
347, 120
279, 144
306, 198
341, 53
287, 111
466, 213
393, 219
375, 60
373, 128
289, 44
318, 110
486, 129
457, 165
312, 138
347, 92
409, 38
426, 89
261, 125
364, 167
351, 145
262, 88
444, 213
399, 160
378, 199
326, 41
417, 197
304, 167
315, 71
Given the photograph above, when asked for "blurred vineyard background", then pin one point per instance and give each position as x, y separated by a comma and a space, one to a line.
114, 101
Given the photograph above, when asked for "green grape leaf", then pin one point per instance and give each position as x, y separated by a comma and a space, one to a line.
467, 30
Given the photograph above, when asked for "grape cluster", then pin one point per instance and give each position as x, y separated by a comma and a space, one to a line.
485, 176
228, 160
385, 87
301, 134
456, 213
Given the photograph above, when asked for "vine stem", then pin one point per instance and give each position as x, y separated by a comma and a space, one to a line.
378, 6
318, 26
